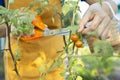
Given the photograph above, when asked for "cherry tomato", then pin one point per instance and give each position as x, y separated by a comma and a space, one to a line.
74, 37
78, 44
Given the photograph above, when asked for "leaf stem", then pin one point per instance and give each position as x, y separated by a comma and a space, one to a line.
74, 13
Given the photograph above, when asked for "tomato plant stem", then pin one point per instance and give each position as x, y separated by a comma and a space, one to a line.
10, 50
74, 13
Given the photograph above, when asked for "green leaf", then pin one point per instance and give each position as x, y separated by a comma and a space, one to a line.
60, 61
91, 62
76, 68
14, 21
39, 11
65, 9
73, 28
42, 68
79, 78
31, 4
3, 10
1, 20
70, 5
103, 49
63, 73
69, 77
67, 18
17, 55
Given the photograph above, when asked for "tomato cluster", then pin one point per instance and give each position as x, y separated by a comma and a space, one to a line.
75, 39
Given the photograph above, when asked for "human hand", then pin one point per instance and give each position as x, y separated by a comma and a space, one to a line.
99, 16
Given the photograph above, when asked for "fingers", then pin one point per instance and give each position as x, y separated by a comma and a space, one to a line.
105, 33
100, 20
103, 27
100, 23
95, 23
88, 16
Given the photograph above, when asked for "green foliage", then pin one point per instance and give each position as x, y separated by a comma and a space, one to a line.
42, 68
0, 20
68, 6
17, 55
31, 5
69, 10
41, 6
73, 28
103, 49
20, 20
79, 78
67, 18
80, 65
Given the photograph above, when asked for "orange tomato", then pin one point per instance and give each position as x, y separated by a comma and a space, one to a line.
74, 37
78, 44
